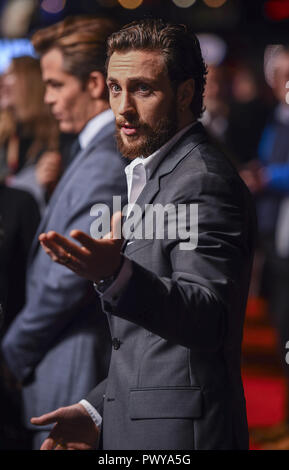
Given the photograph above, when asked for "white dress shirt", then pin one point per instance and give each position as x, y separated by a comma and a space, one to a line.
138, 172
94, 126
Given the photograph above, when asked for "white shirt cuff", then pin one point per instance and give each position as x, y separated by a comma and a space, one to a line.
95, 416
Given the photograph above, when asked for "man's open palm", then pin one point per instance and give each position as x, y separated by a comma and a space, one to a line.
92, 259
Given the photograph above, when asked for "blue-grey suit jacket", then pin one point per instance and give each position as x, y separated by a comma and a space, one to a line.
59, 344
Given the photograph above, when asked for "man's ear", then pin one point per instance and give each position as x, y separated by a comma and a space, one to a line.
185, 94
96, 85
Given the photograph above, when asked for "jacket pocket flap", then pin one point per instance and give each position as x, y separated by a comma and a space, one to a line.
176, 403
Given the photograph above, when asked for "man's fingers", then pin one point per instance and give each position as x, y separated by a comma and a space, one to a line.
60, 447
86, 241
48, 444
116, 225
47, 418
55, 242
79, 446
62, 257
107, 236
53, 250
48, 251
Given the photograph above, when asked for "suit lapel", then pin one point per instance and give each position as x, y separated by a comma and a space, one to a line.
75, 163
186, 144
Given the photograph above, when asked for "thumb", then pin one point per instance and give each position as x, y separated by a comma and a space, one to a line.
115, 224
47, 418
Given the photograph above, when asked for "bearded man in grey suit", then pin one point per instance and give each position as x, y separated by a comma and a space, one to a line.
59, 345
175, 304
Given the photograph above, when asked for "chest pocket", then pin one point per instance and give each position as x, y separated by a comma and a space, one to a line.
162, 402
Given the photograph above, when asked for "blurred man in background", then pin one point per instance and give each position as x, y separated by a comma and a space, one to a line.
59, 345
268, 179
216, 101
248, 113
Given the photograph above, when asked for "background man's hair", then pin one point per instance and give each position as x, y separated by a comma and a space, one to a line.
81, 40
179, 46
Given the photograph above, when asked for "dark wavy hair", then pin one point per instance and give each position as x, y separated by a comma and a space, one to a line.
179, 46
81, 40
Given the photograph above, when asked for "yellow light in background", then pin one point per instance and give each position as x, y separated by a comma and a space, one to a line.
214, 3
130, 4
184, 3
53, 6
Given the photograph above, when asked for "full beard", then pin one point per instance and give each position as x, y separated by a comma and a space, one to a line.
150, 140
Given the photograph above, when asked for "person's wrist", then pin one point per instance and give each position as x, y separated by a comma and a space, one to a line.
102, 284
86, 411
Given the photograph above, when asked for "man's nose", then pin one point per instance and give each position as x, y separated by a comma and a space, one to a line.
126, 105
49, 97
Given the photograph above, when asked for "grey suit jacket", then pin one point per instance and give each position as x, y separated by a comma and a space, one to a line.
174, 380
59, 345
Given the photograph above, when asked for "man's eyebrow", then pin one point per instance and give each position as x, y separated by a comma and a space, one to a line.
111, 79
47, 81
135, 79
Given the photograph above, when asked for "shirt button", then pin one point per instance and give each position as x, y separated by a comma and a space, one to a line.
116, 343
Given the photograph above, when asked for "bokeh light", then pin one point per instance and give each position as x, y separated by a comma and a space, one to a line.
184, 3
53, 6
277, 10
215, 3
130, 4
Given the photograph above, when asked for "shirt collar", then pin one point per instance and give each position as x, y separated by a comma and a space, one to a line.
150, 163
94, 126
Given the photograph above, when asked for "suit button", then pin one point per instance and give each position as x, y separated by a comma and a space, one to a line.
116, 343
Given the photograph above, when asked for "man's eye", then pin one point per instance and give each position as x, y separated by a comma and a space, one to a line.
56, 85
143, 88
114, 88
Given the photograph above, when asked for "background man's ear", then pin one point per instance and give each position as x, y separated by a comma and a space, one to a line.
185, 93
97, 85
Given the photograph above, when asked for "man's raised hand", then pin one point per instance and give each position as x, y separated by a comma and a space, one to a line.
92, 259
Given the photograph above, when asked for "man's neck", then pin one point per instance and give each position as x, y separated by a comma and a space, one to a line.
93, 126
96, 108
184, 119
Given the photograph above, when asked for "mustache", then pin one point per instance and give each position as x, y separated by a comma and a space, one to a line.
122, 122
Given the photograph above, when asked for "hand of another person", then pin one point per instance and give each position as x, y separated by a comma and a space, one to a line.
48, 170
254, 176
73, 430
94, 259
9, 382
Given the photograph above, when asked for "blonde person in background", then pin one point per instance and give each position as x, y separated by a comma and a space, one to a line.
29, 134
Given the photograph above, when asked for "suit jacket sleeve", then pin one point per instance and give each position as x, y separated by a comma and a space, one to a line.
96, 396
207, 288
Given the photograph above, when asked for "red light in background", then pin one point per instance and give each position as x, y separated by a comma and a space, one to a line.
277, 10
